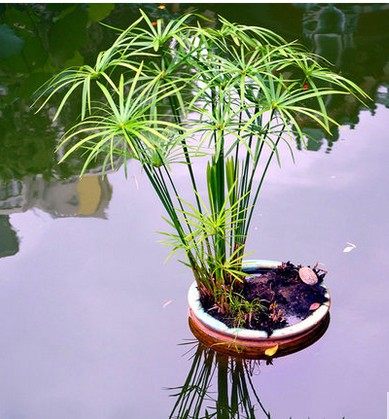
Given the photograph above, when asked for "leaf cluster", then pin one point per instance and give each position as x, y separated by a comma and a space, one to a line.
171, 93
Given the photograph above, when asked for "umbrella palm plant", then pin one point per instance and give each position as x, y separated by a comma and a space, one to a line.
168, 93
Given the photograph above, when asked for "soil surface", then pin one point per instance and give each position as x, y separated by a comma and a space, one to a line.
284, 295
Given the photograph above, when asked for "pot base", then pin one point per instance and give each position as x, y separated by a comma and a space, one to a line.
255, 349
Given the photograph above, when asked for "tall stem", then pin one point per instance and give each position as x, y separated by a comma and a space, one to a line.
177, 118
222, 387
261, 181
219, 192
160, 187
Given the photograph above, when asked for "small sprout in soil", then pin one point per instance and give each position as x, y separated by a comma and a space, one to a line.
272, 299
244, 311
276, 314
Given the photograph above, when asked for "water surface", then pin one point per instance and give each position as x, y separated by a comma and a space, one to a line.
92, 316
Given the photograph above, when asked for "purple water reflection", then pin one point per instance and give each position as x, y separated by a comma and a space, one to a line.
84, 330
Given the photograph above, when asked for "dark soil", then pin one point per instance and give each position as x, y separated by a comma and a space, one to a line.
287, 299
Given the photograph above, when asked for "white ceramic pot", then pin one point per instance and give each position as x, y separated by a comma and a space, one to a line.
253, 342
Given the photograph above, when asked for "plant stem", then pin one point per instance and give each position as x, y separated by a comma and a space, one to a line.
261, 181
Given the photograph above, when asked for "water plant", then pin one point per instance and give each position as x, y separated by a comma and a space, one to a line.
216, 101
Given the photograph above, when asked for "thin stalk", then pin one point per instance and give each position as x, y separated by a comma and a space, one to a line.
160, 187
185, 388
219, 195
206, 381
234, 399
202, 381
255, 394
244, 393
239, 237
177, 197
261, 182
188, 386
236, 160
222, 388
257, 156
177, 118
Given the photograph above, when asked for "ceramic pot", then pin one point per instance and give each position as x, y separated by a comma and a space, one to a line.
253, 343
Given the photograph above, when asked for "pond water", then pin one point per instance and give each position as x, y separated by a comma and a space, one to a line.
93, 321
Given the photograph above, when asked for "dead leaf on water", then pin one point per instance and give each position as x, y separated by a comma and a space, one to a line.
272, 350
349, 247
136, 183
308, 276
166, 303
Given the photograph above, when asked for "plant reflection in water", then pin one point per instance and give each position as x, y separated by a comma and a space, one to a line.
220, 386
234, 396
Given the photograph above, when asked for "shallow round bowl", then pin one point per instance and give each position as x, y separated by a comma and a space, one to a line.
254, 343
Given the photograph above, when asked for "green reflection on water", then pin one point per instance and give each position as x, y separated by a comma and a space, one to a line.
38, 40
9, 243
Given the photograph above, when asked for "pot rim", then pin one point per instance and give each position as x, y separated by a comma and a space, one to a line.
296, 329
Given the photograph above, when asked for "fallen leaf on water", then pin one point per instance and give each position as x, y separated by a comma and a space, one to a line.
349, 247
308, 276
136, 183
165, 304
314, 306
272, 350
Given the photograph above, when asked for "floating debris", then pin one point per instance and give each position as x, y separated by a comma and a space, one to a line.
271, 351
136, 183
165, 304
349, 247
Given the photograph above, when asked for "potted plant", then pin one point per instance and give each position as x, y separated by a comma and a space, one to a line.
217, 102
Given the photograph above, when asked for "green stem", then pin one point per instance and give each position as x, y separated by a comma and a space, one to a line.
261, 182
162, 191
177, 118
219, 191
255, 394
222, 388
257, 156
